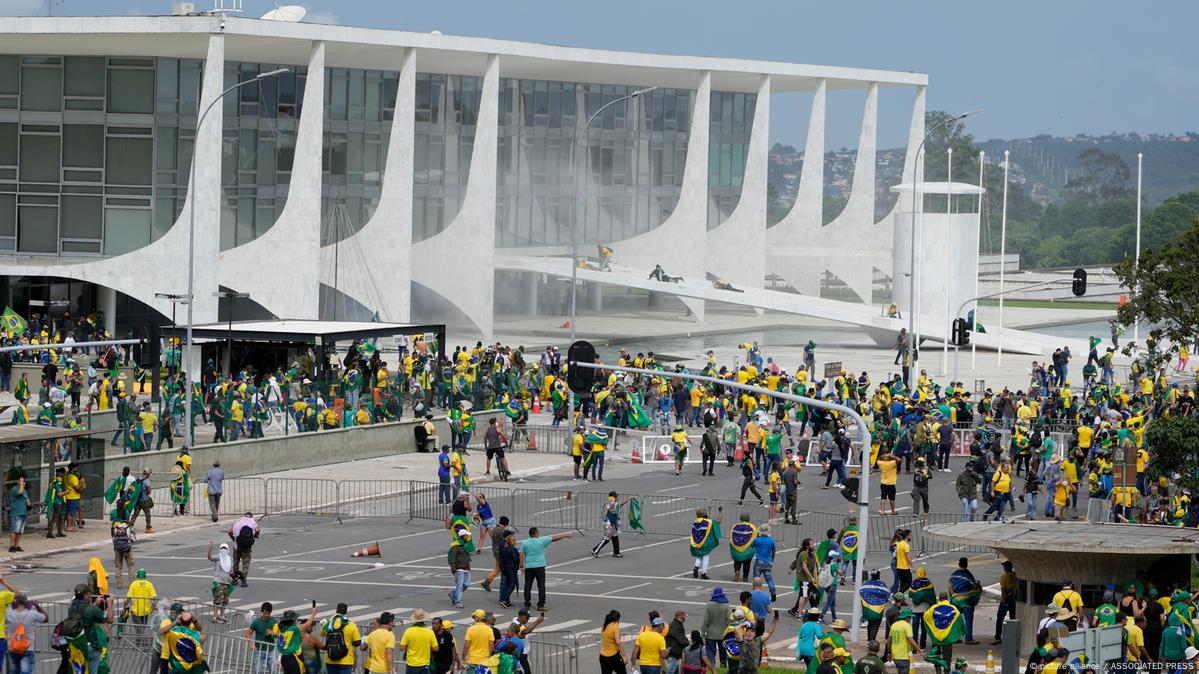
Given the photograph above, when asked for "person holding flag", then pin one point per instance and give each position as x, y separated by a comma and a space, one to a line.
874, 596
596, 442
611, 525
921, 595
681, 443
741, 547
835, 639
965, 592
849, 547
705, 536
945, 626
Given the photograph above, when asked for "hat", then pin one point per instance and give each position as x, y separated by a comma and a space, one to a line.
738, 613
906, 613
718, 596
141, 574
523, 611
813, 611
419, 615
479, 614
899, 596
177, 607
1064, 614
289, 616
1190, 653
659, 621
840, 653
838, 624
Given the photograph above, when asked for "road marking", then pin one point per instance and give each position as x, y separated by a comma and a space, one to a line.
402, 612
671, 512
633, 587
560, 627
444, 614
583, 559
686, 486
361, 544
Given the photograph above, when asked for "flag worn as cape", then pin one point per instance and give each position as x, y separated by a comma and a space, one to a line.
964, 589
922, 592
944, 623
874, 596
186, 651
705, 536
741, 541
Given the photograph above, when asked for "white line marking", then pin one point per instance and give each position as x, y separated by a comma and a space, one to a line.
633, 587
686, 486
671, 512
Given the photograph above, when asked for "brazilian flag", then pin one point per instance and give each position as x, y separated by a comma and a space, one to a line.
964, 589
180, 488
458, 524
113, 492
705, 536
1077, 663
637, 416
1179, 617
922, 592
944, 623
936, 657
185, 650
13, 323
1106, 613
849, 543
635, 514
513, 409
741, 541
874, 596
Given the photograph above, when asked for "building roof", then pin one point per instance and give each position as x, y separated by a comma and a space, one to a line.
300, 330
34, 433
939, 188
265, 41
1046, 536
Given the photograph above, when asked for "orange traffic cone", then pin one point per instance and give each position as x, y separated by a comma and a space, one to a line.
565, 325
532, 440
536, 404
636, 455
368, 551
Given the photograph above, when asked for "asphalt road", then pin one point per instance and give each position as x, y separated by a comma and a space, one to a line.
303, 558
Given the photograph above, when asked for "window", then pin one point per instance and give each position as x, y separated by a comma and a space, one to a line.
8, 144
83, 146
131, 91
41, 89
37, 229
82, 217
39, 158
84, 76
128, 161
125, 229
10, 76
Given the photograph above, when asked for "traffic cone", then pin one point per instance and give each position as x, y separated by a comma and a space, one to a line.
636, 456
532, 440
565, 325
368, 551
536, 404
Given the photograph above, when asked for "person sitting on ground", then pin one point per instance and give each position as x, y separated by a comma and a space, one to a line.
659, 274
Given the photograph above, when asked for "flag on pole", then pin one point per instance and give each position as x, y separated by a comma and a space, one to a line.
13, 323
635, 514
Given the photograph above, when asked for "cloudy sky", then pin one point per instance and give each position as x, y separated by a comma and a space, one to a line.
1061, 67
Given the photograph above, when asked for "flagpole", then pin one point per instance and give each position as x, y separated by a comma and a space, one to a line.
1002, 257
948, 258
982, 163
1136, 326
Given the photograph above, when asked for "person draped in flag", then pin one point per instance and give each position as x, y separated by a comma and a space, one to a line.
849, 547
705, 536
874, 596
921, 595
21, 392
596, 441
184, 644
681, 442
458, 523
835, 638
945, 625
741, 547
965, 592
180, 486
611, 525
20, 414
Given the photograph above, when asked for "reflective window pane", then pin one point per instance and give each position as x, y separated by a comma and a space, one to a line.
8, 215
84, 76
39, 158
8, 144
41, 89
128, 161
37, 229
125, 229
10, 75
82, 217
131, 91
83, 145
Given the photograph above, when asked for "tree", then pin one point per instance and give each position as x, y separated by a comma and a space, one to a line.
1164, 292
1104, 176
1174, 442
776, 207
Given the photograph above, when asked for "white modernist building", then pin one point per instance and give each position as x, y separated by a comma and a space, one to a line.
390, 173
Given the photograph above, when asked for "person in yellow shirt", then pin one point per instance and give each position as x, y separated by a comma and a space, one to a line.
141, 595
74, 484
418, 643
649, 650
1085, 436
380, 644
903, 560
1068, 597
888, 466
149, 422
576, 451
1001, 491
363, 416
1123, 500
479, 640
349, 632
1142, 464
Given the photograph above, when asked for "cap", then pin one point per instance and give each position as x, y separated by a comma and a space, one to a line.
289, 616
141, 574
840, 653
479, 614
906, 613
523, 611
659, 621
177, 607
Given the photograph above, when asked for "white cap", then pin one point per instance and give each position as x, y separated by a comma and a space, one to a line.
1190, 653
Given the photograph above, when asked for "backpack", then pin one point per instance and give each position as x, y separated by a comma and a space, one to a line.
19, 641
120, 540
335, 639
825, 577
68, 629
245, 538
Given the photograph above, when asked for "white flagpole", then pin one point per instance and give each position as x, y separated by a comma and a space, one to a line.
982, 162
1002, 255
1136, 327
948, 259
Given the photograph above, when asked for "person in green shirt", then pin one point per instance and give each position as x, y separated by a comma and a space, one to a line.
56, 503
1174, 644
289, 637
261, 632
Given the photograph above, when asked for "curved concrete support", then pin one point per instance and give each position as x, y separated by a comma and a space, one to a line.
166, 258
678, 244
736, 250
903, 203
387, 288
803, 222
856, 222
458, 262
282, 266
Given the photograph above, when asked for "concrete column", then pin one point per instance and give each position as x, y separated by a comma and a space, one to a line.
191, 361
530, 293
595, 297
106, 298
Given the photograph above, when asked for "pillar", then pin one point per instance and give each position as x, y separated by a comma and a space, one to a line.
106, 299
530, 292
595, 297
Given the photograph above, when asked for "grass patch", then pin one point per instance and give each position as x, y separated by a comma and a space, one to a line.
1047, 304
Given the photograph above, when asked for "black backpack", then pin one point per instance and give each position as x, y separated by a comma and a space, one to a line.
245, 538
335, 639
120, 540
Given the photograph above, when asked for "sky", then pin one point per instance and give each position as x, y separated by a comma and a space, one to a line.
1060, 67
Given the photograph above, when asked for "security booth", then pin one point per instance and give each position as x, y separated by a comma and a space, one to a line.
1046, 553
33, 451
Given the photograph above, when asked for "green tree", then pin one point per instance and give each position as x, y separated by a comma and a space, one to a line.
1164, 292
776, 207
1174, 444
1104, 176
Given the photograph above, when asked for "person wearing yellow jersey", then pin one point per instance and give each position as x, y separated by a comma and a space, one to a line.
1123, 500
1142, 464
888, 466
363, 416
74, 484
141, 595
649, 650
681, 442
1001, 491
696, 409
1068, 597
576, 451
1085, 436
479, 640
903, 560
380, 644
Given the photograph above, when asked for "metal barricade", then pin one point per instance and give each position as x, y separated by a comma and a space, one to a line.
238, 495
547, 654
373, 498
590, 507
671, 515
428, 500
234, 654
299, 496
553, 508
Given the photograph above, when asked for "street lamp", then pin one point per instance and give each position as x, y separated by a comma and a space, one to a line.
916, 203
579, 168
191, 244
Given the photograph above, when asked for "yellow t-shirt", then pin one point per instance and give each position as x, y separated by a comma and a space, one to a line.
903, 558
1001, 482
901, 631
651, 645
350, 631
774, 482
141, 592
73, 492
420, 642
890, 470
1142, 460
1061, 494
1084, 436
697, 396
576, 445
1136, 637
377, 643
1068, 598
455, 464
186, 460
166, 648
609, 639
478, 643
679, 437
149, 422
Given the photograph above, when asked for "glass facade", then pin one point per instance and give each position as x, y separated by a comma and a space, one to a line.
91, 150
359, 107
732, 118
447, 112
